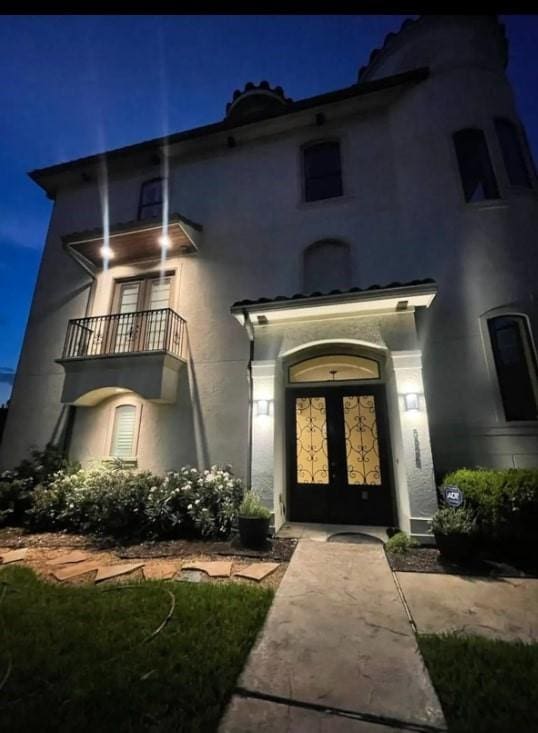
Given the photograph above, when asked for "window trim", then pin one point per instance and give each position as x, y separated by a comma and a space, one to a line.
334, 348
505, 311
141, 204
335, 353
126, 402
494, 167
148, 275
313, 143
524, 151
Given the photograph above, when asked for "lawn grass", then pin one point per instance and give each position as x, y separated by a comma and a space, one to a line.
484, 685
78, 658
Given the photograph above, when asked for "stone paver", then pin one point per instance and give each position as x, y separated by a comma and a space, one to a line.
217, 569
505, 608
258, 570
337, 635
67, 558
193, 576
12, 556
162, 571
74, 571
249, 715
113, 571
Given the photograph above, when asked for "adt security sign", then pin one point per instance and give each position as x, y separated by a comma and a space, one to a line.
453, 496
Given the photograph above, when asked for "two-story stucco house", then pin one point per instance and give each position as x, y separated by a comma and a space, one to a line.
336, 295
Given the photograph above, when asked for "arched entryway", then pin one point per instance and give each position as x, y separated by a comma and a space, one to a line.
338, 467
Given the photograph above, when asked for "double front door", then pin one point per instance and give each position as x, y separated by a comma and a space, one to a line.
338, 466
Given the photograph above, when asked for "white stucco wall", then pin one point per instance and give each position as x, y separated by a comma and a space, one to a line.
402, 214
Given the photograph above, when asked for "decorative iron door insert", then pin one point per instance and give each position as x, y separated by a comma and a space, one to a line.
338, 469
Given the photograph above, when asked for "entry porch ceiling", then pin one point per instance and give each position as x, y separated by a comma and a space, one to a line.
393, 298
135, 240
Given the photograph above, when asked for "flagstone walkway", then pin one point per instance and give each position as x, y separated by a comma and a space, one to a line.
68, 565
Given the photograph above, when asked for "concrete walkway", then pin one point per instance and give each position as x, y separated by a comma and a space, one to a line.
337, 652
500, 608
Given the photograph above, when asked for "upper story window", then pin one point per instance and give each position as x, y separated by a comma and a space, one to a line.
477, 176
512, 152
326, 266
124, 432
322, 171
515, 363
151, 199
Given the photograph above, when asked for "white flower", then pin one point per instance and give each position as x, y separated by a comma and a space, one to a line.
197, 501
189, 506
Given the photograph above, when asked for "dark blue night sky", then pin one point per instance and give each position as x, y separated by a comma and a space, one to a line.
75, 85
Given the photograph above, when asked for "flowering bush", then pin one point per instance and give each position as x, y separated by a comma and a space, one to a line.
115, 501
104, 500
190, 501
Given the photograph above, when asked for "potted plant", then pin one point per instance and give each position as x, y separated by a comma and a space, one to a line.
253, 521
454, 531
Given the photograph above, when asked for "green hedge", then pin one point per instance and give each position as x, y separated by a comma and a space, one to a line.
505, 502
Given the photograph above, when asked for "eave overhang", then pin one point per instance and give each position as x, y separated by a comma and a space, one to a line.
398, 299
372, 93
135, 241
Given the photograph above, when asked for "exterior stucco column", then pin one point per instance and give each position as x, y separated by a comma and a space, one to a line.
415, 484
263, 378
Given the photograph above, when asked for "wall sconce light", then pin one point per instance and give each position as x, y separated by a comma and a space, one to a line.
263, 407
106, 253
411, 402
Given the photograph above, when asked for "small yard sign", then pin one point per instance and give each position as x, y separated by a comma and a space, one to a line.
453, 496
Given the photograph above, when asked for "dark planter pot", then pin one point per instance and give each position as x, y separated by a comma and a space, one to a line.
455, 547
253, 531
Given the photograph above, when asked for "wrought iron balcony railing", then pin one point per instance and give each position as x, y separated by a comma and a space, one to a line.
125, 333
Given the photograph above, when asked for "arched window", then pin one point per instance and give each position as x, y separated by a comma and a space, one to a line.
515, 363
477, 176
151, 199
123, 442
512, 152
327, 266
334, 368
322, 170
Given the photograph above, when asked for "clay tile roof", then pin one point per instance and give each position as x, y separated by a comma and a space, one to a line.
305, 296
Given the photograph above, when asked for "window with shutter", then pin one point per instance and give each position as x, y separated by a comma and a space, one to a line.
123, 434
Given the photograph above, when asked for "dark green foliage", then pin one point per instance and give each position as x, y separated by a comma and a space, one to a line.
400, 543
454, 521
79, 661
17, 486
484, 685
505, 503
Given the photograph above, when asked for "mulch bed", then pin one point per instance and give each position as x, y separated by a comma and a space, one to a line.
277, 550
428, 560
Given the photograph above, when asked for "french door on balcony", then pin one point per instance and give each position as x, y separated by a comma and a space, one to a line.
131, 331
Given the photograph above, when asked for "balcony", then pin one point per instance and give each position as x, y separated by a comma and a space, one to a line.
140, 352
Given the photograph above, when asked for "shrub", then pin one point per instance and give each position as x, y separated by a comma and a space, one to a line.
454, 521
191, 501
104, 500
400, 543
505, 503
17, 486
252, 507
15, 498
